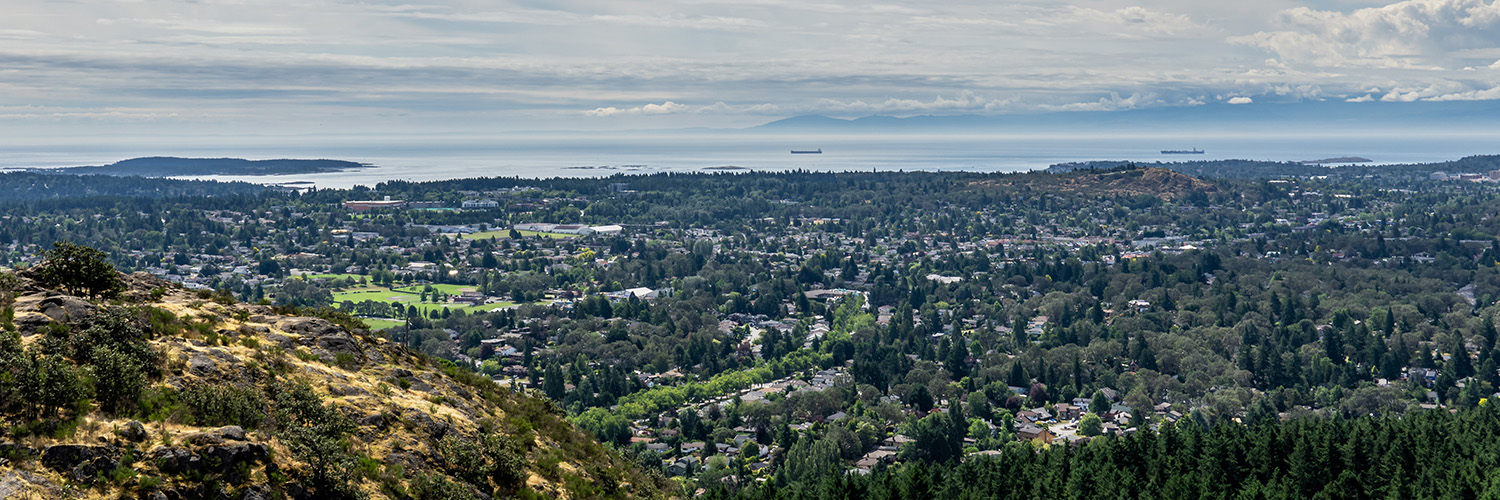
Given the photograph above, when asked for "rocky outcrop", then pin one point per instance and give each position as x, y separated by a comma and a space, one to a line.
81, 463
23, 484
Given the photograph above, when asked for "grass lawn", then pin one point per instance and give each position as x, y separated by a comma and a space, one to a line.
411, 298
355, 277
505, 233
448, 289
380, 324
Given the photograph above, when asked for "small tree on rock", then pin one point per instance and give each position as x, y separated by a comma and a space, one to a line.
79, 270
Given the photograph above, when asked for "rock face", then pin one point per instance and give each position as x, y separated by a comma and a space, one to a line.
327, 340
202, 366
309, 327
81, 463
20, 484
62, 308
225, 457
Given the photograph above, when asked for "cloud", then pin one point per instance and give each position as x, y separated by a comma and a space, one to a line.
1135, 20
1112, 102
648, 109
1363, 98
670, 107
965, 101
1406, 34
1491, 93
680, 21
1239, 100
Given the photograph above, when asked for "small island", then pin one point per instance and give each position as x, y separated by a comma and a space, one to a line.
1341, 159
727, 167
163, 166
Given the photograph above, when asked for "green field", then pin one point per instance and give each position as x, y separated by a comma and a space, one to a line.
332, 276
380, 324
448, 289
505, 233
410, 296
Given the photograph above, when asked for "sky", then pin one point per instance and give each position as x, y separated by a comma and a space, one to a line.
234, 68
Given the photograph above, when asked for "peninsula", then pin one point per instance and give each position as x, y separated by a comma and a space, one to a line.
163, 166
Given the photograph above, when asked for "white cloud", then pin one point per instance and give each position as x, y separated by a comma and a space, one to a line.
1363, 98
1112, 102
1239, 100
1134, 19
648, 109
670, 107
1491, 93
1405, 34
965, 101
470, 63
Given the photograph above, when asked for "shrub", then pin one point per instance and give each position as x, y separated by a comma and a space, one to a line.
493, 457
48, 385
315, 434
217, 405
118, 379
346, 361
436, 486
157, 403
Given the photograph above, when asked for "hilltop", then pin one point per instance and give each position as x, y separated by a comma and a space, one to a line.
1119, 182
166, 393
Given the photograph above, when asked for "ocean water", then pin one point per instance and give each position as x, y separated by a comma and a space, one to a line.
577, 155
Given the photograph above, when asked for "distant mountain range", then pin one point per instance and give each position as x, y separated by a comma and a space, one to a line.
165, 166
1323, 116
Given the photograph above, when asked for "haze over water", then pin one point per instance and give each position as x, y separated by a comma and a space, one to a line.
436, 158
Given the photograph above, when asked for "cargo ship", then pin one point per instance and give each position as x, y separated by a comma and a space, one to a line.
1194, 151
807, 151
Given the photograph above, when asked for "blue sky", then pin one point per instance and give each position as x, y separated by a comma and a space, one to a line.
231, 68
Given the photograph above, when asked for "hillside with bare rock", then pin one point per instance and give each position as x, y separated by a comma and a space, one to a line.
152, 391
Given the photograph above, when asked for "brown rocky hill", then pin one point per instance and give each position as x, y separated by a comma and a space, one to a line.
169, 394
1159, 182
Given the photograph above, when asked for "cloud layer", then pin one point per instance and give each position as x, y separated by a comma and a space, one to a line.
337, 66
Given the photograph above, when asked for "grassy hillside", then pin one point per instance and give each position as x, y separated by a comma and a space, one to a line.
164, 393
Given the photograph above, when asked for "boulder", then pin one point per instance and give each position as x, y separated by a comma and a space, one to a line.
202, 438
376, 420
280, 340
225, 457
231, 432
81, 463
63, 308
64, 457
55, 306
338, 344
309, 327
172, 460
31, 323
132, 431
202, 366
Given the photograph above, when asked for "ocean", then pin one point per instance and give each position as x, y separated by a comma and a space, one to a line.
597, 155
